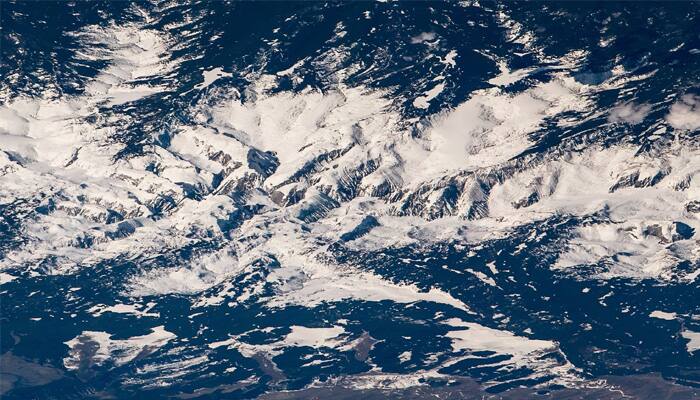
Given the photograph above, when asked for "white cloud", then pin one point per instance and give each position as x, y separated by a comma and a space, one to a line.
629, 113
423, 37
685, 114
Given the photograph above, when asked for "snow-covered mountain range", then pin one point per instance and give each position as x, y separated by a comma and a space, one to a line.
367, 196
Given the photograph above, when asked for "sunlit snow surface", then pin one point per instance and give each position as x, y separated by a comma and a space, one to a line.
280, 200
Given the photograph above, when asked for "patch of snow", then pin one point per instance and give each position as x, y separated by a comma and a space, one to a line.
133, 309
669, 316
508, 77
5, 278
424, 101
99, 347
212, 76
694, 340
313, 337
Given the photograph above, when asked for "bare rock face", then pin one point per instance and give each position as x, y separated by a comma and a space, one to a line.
693, 206
682, 231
